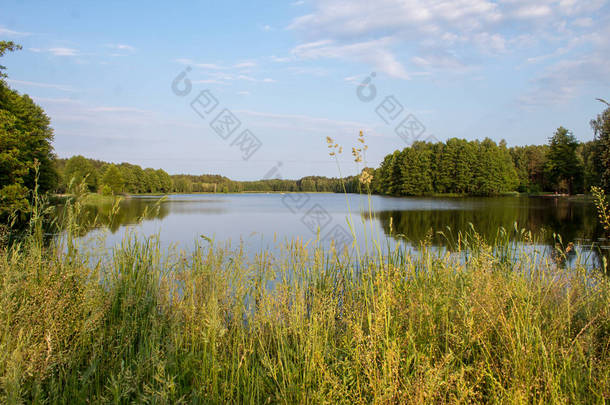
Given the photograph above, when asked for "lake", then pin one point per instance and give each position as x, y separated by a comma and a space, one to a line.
262, 220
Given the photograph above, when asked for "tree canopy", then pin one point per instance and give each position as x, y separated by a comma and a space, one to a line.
601, 153
456, 166
563, 165
25, 147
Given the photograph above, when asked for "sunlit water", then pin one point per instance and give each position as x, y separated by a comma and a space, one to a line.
263, 221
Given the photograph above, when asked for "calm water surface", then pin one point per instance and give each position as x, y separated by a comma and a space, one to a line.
260, 221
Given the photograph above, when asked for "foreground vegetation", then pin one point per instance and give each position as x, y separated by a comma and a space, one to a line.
481, 322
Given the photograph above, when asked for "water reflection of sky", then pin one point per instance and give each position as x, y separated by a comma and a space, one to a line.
261, 221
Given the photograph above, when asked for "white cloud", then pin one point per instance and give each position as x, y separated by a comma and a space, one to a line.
122, 121
436, 33
63, 51
57, 100
579, 64
247, 78
533, 11
244, 65
11, 33
375, 53
281, 59
119, 110
60, 87
314, 125
209, 66
490, 43
223, 74
585, 22
360, 18
209, 81
122, 47
565, 37
566, 79
305, 70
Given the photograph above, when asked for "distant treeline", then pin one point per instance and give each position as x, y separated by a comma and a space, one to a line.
109, 178
456, 166
485, 168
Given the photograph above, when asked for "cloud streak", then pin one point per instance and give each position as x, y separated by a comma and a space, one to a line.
375, 53
11, 33
122, 47
60, 87
224, 74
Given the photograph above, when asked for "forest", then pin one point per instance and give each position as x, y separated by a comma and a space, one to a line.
458, 166
108, 178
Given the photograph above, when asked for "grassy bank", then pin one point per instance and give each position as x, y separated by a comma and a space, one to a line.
87, 199
303, 325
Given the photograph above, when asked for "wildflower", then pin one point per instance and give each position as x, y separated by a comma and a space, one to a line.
365, 177
356, 153
333, 146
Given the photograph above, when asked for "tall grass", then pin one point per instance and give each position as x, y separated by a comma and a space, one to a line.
303, 325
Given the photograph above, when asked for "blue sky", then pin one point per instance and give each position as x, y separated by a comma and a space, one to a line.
289, 72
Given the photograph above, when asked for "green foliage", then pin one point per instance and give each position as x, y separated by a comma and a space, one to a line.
25, 141
530, 163
416, 170
382, 175
589, 153
165, 181
307, 185
132, 176
457, 166
4, 47
79, 169
14, 201
601, 158
563, 166
113, 180
603, 210
106, 190
136, 180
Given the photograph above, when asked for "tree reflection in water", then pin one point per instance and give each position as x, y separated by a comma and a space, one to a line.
555, 222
